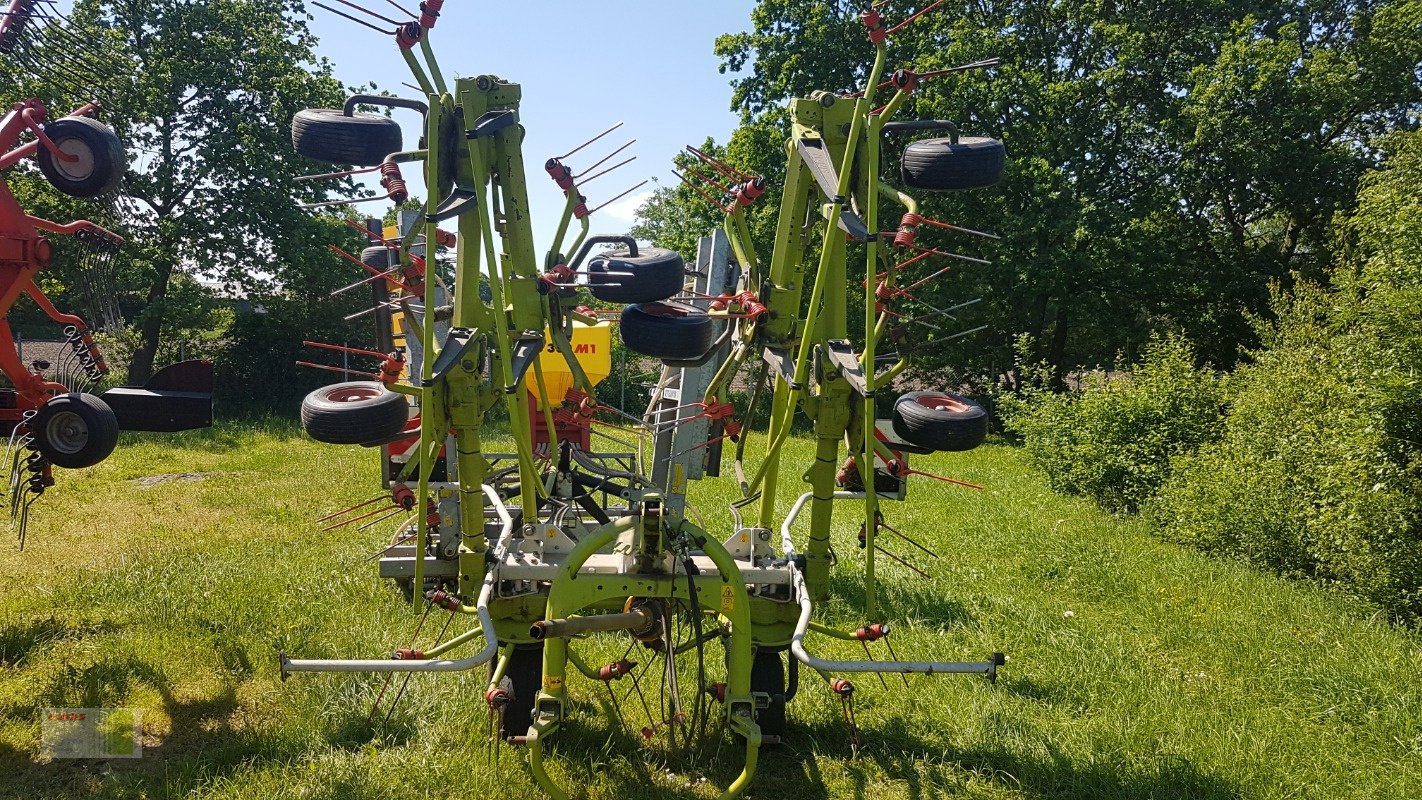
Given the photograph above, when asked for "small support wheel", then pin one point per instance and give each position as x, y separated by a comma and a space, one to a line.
940, 421
522, 678
768, 676
940, 165
651, 275
327, 134
96, 156
667, 331
75, 430
357, 412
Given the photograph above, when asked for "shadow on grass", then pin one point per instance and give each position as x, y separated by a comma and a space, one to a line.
203, 741
19, 640
894, 752
912, 597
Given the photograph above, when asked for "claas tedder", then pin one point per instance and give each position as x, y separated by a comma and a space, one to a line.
563, 545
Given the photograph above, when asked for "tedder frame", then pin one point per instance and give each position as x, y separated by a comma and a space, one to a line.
530, 550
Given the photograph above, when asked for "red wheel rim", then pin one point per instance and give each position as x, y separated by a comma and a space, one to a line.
941, 402
662, 310
352, 394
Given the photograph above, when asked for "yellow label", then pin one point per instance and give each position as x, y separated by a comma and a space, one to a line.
552, 683
745, 538
728, 599
678, 479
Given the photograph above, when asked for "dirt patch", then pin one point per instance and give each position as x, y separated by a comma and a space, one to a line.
148, 481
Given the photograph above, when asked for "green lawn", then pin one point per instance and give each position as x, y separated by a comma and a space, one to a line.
1136, 669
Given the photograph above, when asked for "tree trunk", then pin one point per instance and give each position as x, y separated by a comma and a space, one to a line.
140, 368
1059, 338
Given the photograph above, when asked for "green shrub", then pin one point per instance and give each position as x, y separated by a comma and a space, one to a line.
1319, 472
1311, 478
1114, 440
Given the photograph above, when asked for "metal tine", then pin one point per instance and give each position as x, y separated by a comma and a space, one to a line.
606, 158
719, 165
381, 17
944, 311
620, 196
378, 520
356, 20
586, 181
590, 141
310, 206
363, 281
704, 196
344, 174
373, 309
902, 562
387, 548
335, 514
401, 9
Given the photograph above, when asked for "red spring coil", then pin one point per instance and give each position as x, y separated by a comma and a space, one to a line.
905, 80
408, 35
842, 687
403, 496
615, 670
560, 173
908, 230
750, 191
390, 370
719, 411
872, 633
429, 13
409, 654
393, 182
750, 305
497, 698
581, 209
444, 600
733, 429
874, 21
717, 692
444, 238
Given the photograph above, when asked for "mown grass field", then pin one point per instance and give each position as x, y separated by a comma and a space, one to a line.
1136, 669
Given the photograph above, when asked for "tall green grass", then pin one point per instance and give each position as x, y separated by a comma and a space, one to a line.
1136, 669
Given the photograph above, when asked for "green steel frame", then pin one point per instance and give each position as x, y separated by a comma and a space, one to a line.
474, 168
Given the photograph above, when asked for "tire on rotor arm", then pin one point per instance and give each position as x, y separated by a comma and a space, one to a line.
939, 165
75, 430
356, 412
664, 331
655, 274
940, 421
327, 134
768, 676
101, 162
523, 678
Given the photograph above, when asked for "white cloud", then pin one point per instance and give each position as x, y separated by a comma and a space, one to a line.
624, 211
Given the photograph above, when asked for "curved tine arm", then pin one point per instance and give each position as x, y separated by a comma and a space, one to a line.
491, 647
987, 669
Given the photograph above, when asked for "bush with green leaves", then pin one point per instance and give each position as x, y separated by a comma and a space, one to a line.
1114, 440
1319, 472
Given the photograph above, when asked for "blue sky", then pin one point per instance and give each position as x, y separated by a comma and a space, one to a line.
583, 66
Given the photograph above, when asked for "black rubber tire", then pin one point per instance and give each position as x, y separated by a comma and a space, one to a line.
940, 421
768, 675
525, 674
376, 257
656, 275
940, 165
101, 162
665, 331
355, 412
75, 430
327, 134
